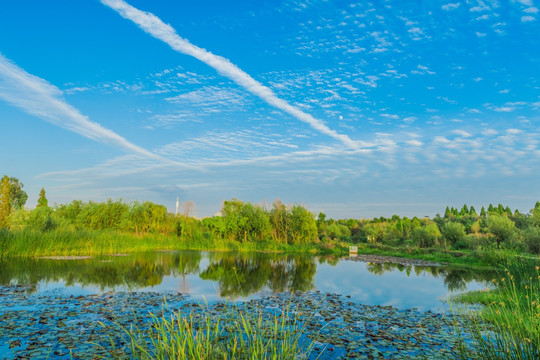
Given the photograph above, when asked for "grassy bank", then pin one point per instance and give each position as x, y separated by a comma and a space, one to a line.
58, 242
33, 243
508, 324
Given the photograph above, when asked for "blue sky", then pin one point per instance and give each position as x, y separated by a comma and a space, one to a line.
357, 109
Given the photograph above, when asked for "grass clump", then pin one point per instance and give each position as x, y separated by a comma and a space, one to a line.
228, 333
508, 325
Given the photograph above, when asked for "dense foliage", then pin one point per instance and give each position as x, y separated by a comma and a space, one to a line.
488, 233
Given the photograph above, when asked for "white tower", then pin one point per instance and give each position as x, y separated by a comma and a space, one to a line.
176, 213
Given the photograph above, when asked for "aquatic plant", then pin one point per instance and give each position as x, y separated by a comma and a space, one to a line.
508, 326
208, 334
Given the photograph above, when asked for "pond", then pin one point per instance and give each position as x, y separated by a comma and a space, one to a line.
54, 298
240, 276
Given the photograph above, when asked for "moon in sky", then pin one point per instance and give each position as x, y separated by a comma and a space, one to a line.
340, 117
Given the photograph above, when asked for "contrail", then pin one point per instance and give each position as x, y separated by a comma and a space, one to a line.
44, 100
158, 29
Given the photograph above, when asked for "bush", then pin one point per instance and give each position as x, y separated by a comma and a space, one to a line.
427, 236
502, 228
454, 233
531, 237
41, 219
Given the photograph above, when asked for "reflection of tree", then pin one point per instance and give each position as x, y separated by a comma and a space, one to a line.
245, 274
455, 278
134, 271
331, 260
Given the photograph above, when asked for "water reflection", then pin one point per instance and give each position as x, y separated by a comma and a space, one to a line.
250, 273
455, 278
241, 275
105, 272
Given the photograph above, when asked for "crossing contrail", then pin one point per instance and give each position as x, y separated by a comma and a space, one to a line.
164, 32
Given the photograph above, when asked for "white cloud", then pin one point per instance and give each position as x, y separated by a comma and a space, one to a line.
414, 142
504, 108
158, 29
514, 131
527, 18
462, 133
531, 10
450, 6
525, 2
489, 132
44, 100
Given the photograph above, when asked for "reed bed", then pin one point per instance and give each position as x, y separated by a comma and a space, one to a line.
508, 325
233, 333
32, 243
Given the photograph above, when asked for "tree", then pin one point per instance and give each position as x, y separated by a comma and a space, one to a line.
303, 228
426, 236
501, 227
5, 201
447, 213
42, 201
472, 212
18, 195
453, 233
483, 212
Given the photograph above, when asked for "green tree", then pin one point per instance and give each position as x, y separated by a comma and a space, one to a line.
42, 201
447, 213
18, 195
279, 220
303, 227
483, 212
453, 233
473, 212
5, 201
536, 213
41, 219
501, 227
426, 236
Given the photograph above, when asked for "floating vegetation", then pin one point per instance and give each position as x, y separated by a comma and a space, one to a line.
62, 327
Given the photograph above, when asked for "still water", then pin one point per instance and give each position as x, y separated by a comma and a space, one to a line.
240, 276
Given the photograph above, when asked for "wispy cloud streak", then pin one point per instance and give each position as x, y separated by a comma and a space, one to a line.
44, 100
158, 29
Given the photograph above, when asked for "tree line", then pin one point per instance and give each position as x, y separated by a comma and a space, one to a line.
240, 221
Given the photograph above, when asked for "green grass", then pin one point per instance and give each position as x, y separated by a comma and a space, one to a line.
31, 243
60, 242
65, 242
233, 334
508, 325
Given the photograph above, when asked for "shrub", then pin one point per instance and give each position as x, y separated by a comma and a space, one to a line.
427, 236
531, 238
453, 233
501, 227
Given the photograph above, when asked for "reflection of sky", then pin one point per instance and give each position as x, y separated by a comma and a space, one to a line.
394, 287
349, 278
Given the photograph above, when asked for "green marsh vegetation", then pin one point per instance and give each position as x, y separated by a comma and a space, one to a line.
232, 333
461, 236
507, 326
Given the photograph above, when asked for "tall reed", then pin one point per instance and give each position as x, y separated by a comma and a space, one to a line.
508, 326
233, 333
